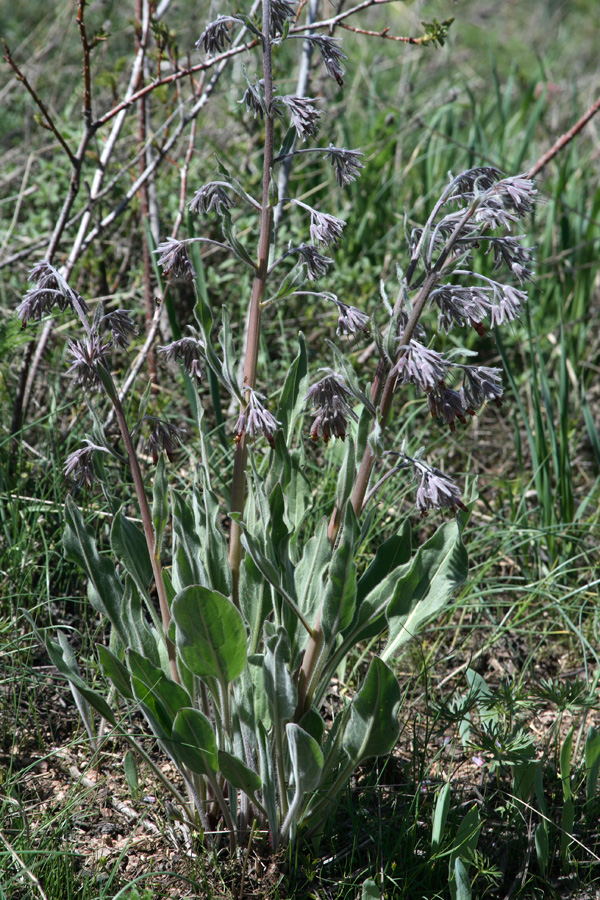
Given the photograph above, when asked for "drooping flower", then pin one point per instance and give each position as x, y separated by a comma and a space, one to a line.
212, 197
254, 99
174, 259
448, 405
481, 384
190, 352
121, 326
50, 289
421, 366
281, 11
436, 490
346, 162
88, 353
163, 436
331, 54
316, 263
304, 114
256, 419
351, 320
216, 35
80, 464
330, 397
325, 229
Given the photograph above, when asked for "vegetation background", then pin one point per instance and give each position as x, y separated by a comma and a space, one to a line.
509, 675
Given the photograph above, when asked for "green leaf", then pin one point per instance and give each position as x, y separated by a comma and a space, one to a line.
440, 814
210, 634
310, 572
131, 773
464, 847
567, 823
146, 677
292, 280
394, 552
462, 885
160, 510
68, 667
239, 774
214, 544
346, 475
114, 669
298, 495
129, 546
195, 740
140, 635
279, 685
188, 568
339, 599
565, 764
437, 569
105, 589
370, 891
306, 758
295, 386
592, 764
378, 584
542, 847
373, 726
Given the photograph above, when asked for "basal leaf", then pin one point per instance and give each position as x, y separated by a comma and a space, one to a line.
438, 568
373, 726
210, 634
195, 740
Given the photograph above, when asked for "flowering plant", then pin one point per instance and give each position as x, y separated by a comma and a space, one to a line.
232, 669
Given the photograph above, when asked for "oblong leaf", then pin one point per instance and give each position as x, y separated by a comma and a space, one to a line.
239, 774
373, 726
210, 634
437, 569
195, 740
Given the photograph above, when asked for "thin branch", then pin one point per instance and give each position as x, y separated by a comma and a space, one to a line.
565, 139
39, 103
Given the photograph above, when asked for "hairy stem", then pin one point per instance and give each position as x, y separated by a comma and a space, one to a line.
238, 486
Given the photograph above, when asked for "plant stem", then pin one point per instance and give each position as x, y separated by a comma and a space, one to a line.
146, 516
238, 485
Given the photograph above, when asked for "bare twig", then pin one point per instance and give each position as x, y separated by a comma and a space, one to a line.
565, 139
39, 103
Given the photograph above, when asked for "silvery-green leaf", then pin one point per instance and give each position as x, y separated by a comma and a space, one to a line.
340, 591
210, 634
114, 669
188, 568
373, 726
68, 668
195, 739
310, 572
438, 568
346, 475
279, 685
267, 775
462, 884
306, 757
440, 814
105, 590
131, 773
160, 510
291, 401
370, 891
239, 774
130, 548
